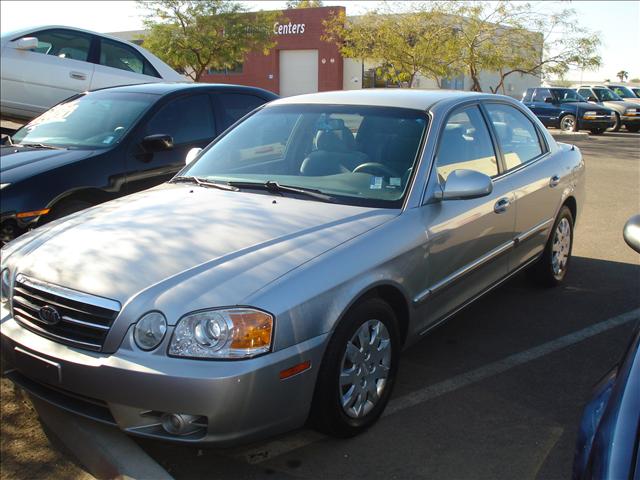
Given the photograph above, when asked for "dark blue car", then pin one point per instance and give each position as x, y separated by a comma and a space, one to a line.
565, 109
609, 439
107, 143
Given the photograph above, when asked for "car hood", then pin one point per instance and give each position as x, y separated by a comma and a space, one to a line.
17, 162
239, 241
589, 106
620, 106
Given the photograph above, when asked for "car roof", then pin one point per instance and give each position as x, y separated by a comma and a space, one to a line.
384, 97
165, 88
35, 28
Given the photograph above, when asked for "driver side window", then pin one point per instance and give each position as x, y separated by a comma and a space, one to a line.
466, 144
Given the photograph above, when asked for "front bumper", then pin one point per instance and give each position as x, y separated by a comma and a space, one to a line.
237, 401
630, 119
599, 122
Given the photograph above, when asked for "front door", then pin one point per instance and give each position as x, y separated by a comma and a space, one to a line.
467, 240
189, 121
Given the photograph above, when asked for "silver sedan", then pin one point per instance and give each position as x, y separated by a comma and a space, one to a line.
280, 274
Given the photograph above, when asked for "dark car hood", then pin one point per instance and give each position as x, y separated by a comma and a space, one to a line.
17, 162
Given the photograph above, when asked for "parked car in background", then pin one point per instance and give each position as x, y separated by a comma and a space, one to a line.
627, 113
624, 92
100, 145
43, 66
636, 91
280, 274
608, 444
565, 109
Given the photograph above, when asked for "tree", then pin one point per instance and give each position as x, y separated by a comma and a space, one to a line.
195, 35
404, 44
291, 4
622, 75
511, 37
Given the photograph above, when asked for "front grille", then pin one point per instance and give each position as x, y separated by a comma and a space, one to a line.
80, 320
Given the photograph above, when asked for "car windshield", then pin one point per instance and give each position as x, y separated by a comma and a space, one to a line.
358, 155
95, 120
623, 91
605, 95
636, 91
566, 95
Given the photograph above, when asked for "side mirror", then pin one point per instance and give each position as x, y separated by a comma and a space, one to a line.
466, 184
191, 155
548, 100
157, 143
26, 43
631, 232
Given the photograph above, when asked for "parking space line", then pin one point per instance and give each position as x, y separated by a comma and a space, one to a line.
302, 438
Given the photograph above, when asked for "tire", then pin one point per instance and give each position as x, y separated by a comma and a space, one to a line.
633, 128
551, 269
568, 123
597, 131
68, 207
333, 410
616, 126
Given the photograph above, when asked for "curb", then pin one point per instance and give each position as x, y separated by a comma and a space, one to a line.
104, 451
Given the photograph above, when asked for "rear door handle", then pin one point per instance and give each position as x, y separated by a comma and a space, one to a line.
554, 181
501, 205
78, 75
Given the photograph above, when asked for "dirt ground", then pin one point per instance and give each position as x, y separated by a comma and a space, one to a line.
25, 450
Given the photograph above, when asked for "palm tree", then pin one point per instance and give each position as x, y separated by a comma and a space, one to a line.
622, 75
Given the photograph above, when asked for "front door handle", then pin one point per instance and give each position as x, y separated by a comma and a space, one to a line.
78, 75
554, 181
501, 205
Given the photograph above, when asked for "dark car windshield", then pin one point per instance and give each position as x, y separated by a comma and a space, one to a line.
623, 91
359, 155
566, 95
606, 95
95, 120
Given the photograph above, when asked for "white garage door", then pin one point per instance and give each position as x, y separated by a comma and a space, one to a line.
298, 72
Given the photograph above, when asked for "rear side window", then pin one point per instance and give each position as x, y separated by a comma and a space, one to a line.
123, 57
186, 119
63, 44
527, 95
541, 94
234, 106
517, 135
465, 144
585, 92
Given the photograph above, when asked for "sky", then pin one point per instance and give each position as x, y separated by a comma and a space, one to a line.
617, 22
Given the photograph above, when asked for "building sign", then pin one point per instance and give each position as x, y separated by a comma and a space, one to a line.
288, 29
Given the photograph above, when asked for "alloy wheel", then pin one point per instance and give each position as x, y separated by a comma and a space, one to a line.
561, 247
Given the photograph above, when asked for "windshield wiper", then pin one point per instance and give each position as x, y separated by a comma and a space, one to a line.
38, 145
201, 182
275, 187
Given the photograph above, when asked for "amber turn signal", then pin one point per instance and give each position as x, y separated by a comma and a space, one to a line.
33, 213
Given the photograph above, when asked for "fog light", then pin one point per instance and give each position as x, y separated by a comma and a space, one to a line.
150, 330
180, 423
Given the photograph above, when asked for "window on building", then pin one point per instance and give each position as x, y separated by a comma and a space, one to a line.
63, 44
123, 57
455, 83
226, 71
465, 144
186, 119
517, 136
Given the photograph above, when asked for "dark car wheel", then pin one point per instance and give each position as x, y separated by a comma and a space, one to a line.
597, 131
358, 370
68, 207
552, 267
568, 123
633, 128
616, 126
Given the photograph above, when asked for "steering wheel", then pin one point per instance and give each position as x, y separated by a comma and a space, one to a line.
374, 168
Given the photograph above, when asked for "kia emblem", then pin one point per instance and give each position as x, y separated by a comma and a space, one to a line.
49, 315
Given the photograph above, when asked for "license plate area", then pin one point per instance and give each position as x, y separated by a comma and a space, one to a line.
36, 367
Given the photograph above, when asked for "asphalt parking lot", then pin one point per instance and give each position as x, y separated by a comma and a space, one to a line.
497, 392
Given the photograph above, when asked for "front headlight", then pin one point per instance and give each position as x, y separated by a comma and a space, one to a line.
630, 111
590, 115
4, 287
225, 333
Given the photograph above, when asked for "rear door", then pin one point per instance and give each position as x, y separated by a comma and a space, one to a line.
535, 180
190, 122
35, 80
121, 64
546, 112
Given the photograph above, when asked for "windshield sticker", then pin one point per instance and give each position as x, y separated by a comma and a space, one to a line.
376, 183
395, 181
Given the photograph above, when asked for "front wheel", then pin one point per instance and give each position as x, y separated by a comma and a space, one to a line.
358, 370
616, 126
552, 267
